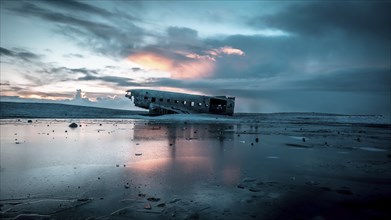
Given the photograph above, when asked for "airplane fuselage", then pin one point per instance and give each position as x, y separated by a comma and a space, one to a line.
162, 102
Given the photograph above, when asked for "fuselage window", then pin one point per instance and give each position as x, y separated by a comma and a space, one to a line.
161, 100
184, 102
192, 104
168, 100
175, 101
199, 104
153, 99
145, 98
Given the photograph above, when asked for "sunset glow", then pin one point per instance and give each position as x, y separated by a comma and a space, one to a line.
230, 51
193, 68
152, 61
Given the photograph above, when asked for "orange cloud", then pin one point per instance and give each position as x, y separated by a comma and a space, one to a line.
196, 56
193, 68
196, 66
230, 51
152, 61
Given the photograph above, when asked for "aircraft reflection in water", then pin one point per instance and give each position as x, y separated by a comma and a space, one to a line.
162, 102
184, 149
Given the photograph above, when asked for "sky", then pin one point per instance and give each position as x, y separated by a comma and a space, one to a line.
273, 56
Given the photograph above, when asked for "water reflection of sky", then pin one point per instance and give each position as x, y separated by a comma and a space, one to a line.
164, 157
169, 154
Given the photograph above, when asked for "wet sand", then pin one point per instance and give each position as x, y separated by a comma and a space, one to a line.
164, 168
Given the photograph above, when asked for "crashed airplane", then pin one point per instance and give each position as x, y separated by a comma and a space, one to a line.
162, 102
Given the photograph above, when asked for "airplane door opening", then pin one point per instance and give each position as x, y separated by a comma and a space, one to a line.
217, 105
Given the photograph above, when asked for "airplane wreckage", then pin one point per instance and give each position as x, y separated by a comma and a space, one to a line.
162, 102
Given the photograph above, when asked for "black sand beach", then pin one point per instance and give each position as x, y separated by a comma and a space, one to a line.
250, 166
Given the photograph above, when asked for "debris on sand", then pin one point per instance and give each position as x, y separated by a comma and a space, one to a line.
73, 125
83, 199
147, 206
153, 199
240, 186
29, 121
298, 145
138, 154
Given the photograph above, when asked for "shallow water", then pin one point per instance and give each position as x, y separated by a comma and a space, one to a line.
227, 169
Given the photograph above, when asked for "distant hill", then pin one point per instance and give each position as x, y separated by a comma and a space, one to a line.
51, 110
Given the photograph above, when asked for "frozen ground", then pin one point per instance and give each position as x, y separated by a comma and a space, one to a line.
250, 166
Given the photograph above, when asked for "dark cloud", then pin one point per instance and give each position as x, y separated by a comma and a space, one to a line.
31, 9
319, 18
120, 81
65, 72
7, 86
109, 38
182, 36
297, 55
73, 55
46, 73
79, 6
346, 91
6, 52
19, 54
350, 80
4, 83
136, 69
41, 73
